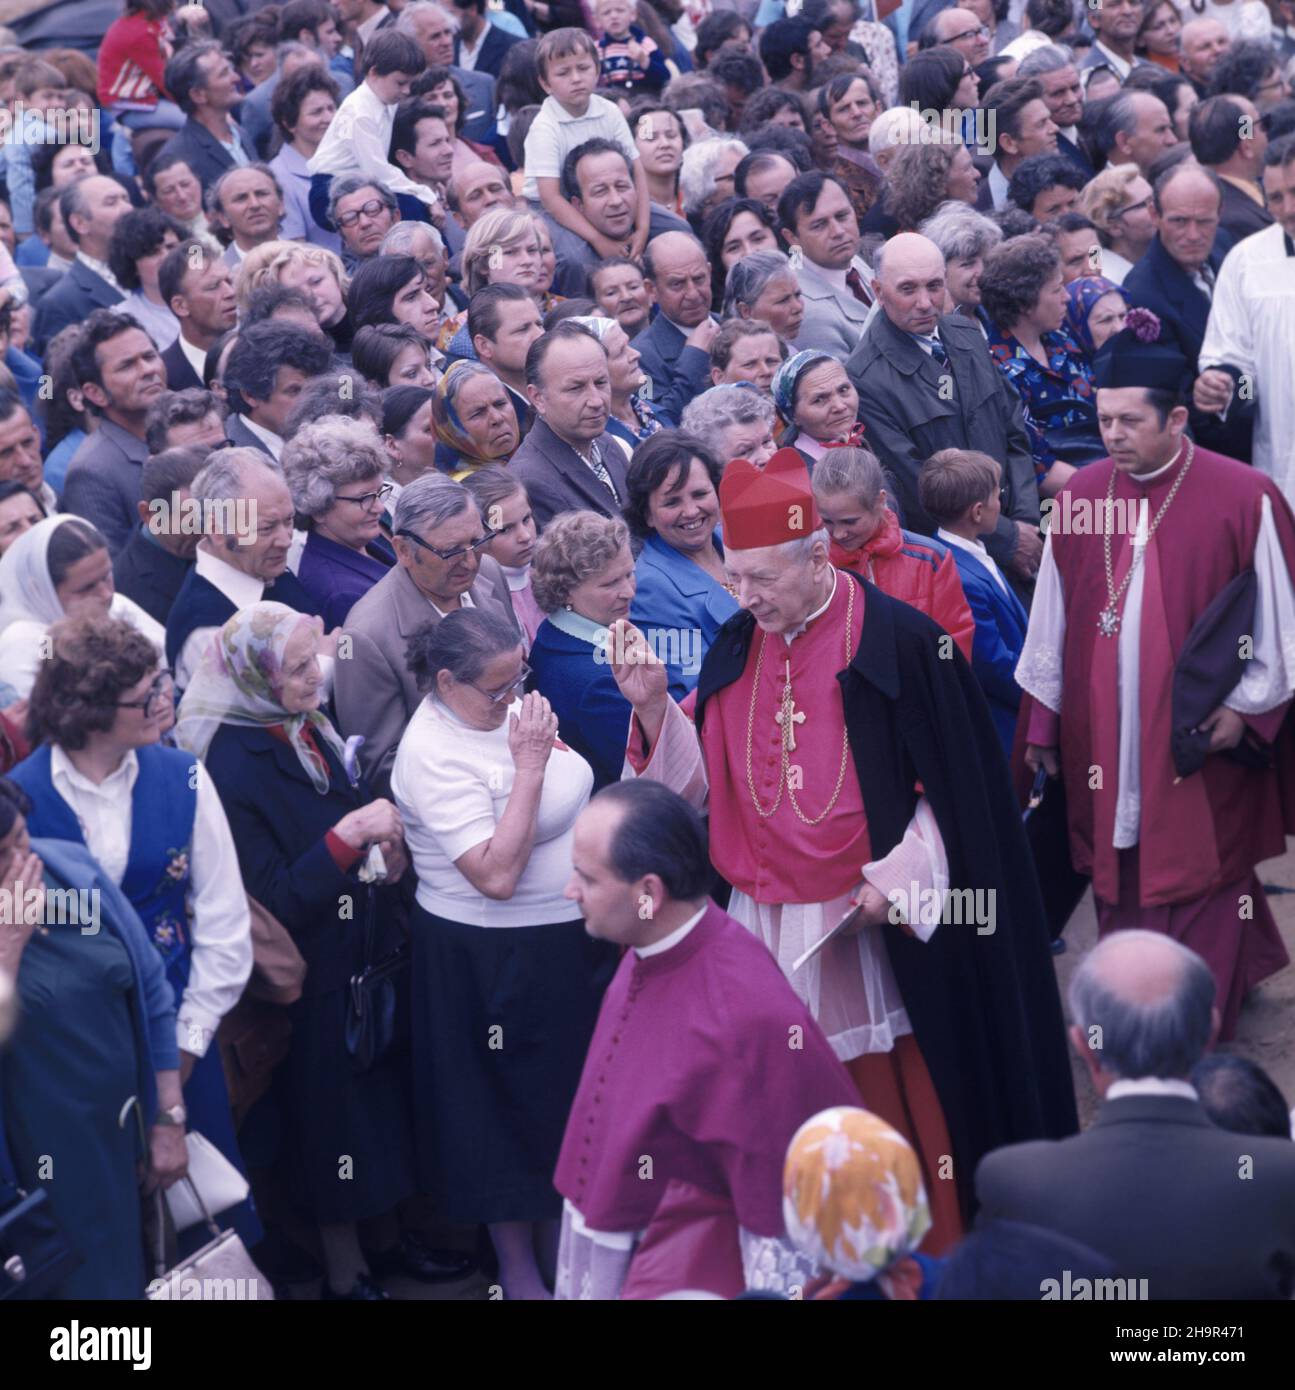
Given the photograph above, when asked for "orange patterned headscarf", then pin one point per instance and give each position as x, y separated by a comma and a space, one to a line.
852, 1193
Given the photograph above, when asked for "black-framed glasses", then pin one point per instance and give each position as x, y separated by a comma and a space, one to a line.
981, 31
1133, 207
155, 700
495, 696
366, 499
449, 554
370, 209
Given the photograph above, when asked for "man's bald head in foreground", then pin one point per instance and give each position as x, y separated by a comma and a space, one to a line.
910, 282
1142, 1005
477, 188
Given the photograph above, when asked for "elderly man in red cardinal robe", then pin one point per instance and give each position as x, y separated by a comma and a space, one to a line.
848, 757
1160, 666
702, 1067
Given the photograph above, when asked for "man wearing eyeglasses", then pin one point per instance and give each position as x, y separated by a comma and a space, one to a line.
363, 213
961, 30
439, 539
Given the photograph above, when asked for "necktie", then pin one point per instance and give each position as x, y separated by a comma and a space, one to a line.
1205, 281
857, 288
599, 470
938, 350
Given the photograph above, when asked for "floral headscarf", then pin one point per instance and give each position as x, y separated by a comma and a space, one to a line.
787, 378
1083, 294
445, 419
239, 681
852, 1193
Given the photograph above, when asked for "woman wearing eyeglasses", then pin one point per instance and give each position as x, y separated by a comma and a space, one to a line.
101, 778
506, 983
1118, 201
335, 471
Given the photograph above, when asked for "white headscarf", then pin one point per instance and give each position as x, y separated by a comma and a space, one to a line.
27, 592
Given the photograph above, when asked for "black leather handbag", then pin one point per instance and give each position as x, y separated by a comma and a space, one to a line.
35, 1257
373, 1004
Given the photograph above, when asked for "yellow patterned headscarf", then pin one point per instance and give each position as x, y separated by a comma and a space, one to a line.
852, 1193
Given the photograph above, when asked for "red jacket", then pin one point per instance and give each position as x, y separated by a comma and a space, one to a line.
917, 571
131, 64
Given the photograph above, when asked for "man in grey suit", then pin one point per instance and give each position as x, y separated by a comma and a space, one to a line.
434, 31
926, 382
438, 538
821, 230
120, 374
91, 207
1194, 1211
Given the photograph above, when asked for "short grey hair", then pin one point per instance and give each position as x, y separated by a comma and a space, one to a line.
1049, 57
574, 547
959, 231
428, 502
288, 47
328, 454
227, 475
211, 199
343, 188
711, 415
749, 277
461, 643
697, 172
402, 238
405, 20
1165, 1037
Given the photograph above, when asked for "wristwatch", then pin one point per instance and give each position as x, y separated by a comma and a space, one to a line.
174, 1115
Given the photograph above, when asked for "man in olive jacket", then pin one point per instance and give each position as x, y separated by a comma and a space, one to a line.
926, 382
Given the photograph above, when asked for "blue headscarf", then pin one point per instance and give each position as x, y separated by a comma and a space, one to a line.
1083, 294
787, 378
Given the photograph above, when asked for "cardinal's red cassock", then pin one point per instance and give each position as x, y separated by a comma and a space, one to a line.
852, 750
1170, 852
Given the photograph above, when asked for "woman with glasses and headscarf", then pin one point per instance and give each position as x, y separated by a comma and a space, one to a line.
325, 858
100, 777
506, 981
335, 470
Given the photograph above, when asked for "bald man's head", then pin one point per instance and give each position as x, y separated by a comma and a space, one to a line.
1143, 1005
1202, 43
910, 283
477, 188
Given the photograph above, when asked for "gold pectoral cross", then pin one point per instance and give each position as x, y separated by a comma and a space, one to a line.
789, 716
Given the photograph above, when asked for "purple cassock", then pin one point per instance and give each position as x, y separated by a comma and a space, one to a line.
706, 1063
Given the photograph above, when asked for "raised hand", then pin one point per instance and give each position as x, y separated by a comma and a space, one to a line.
531, 733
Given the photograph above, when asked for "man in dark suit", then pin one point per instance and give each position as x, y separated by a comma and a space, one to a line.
1193, 1211
433, 29
568, 461
159, 555
503, 322
119, 372
199, 288
39, 279
204, 85
90, 209
267, 368
674, 349
438, 539
1053, 68
1175, 279
1024, 127
1228, 140
485, 41
926, 382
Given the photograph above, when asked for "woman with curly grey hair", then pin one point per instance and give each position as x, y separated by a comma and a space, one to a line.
583, 578
763, 286
965, 237
733, 422
1025, 298
923, 176
335, 471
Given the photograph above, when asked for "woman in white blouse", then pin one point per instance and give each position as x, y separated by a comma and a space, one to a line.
506, 982
59, 568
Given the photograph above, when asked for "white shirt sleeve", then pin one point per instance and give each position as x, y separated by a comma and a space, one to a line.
542, 150
1269, 678
370, 147
1039, 671
915, 873
20, 656
1229, 336
221, 925
453, 798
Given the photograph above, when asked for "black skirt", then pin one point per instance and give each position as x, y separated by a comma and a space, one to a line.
502, 1018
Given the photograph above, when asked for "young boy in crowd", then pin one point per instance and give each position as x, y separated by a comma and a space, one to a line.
567, 60
959, 488
358, 140
631, 62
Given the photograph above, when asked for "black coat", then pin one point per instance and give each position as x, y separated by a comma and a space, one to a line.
1240, 216
202, 152
984, 1008
76, 293
149, 575
180, 375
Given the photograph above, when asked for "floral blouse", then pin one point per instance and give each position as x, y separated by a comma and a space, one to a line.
1067, 376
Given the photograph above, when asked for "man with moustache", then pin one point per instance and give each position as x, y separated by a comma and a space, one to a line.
568, 461
674, 349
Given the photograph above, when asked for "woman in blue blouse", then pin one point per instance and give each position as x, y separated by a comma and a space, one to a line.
683, 590
1025, 298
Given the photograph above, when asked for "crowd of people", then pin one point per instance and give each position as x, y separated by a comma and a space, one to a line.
587, 586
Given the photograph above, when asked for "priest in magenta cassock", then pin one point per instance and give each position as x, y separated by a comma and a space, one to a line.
846, 759
1160, 670
702, 1067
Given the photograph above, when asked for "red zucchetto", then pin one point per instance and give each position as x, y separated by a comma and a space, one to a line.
769, 505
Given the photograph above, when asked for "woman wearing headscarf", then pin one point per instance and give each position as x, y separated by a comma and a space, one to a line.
101, 778
813, 392
98, 1032
632, 418
854, 1202
59, 568
306, 828
473, 419
1096, 311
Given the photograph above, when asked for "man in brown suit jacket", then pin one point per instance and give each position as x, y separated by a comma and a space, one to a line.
438, 533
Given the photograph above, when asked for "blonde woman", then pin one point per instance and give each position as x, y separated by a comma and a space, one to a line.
1118, 201
311, 269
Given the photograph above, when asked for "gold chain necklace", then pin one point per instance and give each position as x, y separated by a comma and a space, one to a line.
1108, 620
787, 717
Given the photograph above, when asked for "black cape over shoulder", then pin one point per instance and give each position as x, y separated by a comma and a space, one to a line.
985, 1009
